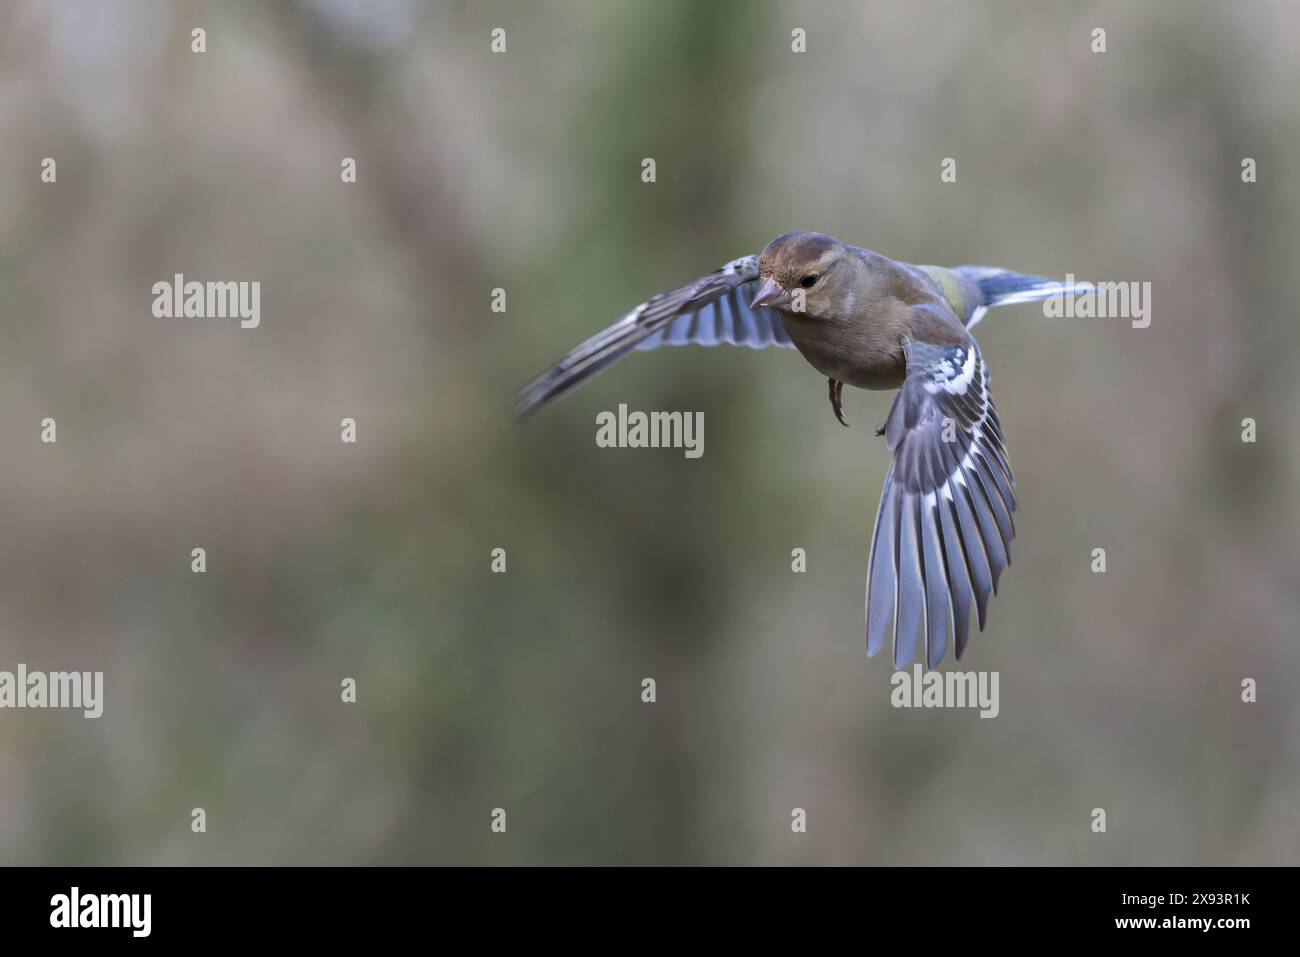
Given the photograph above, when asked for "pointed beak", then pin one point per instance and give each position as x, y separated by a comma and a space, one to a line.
769, 293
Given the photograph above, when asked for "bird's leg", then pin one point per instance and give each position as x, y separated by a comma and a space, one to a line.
837, 388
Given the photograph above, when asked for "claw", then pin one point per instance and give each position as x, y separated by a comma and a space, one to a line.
880, 430
837, 388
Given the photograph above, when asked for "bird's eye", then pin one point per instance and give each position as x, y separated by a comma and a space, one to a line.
809, 280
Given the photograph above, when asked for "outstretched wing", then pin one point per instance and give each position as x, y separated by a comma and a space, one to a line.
944, 526
710, 310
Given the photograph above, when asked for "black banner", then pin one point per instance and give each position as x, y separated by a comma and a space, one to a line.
365, 905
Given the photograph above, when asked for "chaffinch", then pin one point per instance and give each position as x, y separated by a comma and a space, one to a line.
944, 525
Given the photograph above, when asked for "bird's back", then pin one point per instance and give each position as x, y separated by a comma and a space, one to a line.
959, 288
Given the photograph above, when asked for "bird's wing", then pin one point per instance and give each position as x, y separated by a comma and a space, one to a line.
711, 309
944, 526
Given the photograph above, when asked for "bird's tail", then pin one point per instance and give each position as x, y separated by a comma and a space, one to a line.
1002, 287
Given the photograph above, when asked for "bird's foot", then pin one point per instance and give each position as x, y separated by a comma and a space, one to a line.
837, 390
880, 430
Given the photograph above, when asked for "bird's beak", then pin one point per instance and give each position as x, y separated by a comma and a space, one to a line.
769, 293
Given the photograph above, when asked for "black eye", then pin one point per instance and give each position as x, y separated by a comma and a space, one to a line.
809, 280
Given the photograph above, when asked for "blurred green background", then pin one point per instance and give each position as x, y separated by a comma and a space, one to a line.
522, 691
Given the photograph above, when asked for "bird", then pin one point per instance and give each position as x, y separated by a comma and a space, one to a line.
944, 523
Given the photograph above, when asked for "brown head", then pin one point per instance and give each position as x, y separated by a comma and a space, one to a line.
808, 274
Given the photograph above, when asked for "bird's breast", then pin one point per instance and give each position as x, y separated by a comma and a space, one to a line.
853, 353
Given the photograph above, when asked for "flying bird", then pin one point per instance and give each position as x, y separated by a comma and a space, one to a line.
944, 525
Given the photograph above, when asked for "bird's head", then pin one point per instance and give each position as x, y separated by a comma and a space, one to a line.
804, 274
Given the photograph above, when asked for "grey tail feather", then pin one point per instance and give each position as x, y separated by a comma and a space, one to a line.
1000, 287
